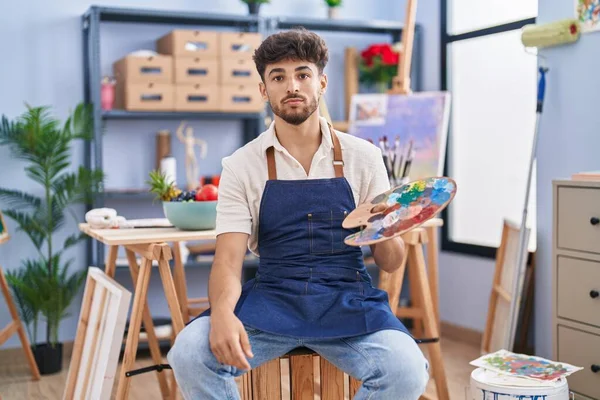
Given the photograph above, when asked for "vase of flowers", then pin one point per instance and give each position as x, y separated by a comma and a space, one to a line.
332, 8
378, 64
254, 5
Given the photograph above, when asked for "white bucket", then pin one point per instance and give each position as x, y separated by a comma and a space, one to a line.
485, 387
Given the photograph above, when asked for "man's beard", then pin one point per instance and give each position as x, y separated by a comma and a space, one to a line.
299, 114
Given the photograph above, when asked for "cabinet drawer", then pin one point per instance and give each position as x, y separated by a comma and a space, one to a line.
579, 290
581, 349
579, 219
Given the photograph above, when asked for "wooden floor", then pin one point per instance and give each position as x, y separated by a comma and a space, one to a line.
15, 383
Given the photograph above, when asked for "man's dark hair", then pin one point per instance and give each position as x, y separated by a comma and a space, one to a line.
295, 44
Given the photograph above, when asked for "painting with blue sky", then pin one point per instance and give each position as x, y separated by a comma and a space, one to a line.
411, 131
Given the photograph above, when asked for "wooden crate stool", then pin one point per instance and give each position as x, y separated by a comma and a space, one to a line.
266, 381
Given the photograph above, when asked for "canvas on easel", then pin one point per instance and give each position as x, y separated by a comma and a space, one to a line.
99, 337
496, 334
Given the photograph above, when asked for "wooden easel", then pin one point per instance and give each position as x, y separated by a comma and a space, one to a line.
401, 82
423, 292
495, 336
16, 326
423, 309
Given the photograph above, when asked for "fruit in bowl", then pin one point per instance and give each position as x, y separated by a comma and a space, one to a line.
186, 209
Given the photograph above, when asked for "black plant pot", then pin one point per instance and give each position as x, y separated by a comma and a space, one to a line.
253, 8
48, 359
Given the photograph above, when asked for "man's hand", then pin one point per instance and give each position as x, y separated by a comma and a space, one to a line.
229, 340
388, 255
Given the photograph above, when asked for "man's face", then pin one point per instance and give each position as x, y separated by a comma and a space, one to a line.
293, 89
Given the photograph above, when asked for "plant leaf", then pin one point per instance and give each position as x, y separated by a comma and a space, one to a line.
30, 225
17, 199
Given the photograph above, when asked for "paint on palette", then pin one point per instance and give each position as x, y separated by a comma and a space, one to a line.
408, 206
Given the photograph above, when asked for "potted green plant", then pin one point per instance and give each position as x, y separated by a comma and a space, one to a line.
333, 7
44, 287
254, 5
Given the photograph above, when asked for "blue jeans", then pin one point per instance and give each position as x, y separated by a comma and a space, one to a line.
389, 362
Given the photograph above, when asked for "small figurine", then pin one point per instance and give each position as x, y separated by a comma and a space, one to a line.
191, 162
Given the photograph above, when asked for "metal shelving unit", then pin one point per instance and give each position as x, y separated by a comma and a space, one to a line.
252, 123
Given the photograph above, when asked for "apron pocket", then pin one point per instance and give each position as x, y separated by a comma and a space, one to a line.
325, 232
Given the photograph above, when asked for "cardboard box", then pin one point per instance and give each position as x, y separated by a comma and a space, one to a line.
239, 44
138, 69
151, 96
183, 42
197, 97
241, 98
196, 70
238, 71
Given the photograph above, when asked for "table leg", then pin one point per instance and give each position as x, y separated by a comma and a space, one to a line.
111, 262
139, 300
180, 282
172, 299
149, 326
432, 269
171, 294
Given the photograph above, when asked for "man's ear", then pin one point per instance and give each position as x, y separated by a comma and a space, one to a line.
263, 91
323, 83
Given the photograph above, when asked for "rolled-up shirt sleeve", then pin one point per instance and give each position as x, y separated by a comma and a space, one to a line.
233, 211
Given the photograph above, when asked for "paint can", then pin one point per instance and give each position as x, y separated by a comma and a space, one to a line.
488, 385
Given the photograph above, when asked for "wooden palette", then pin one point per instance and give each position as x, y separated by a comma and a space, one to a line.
408, 207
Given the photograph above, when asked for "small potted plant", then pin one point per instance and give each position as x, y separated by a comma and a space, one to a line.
378, 65
254, 5
44, 287
332, 8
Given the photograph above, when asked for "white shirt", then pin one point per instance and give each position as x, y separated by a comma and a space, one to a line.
245, 173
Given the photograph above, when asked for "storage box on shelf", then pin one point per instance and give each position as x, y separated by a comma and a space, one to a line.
196, 68
197, 97
241, 98
189, 43
239, 44
576, 282
238, 75
144, 83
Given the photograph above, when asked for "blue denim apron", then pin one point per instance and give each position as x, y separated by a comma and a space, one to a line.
309, 283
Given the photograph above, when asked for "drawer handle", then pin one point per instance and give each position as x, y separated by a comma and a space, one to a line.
594, 220
594, 294
595, 368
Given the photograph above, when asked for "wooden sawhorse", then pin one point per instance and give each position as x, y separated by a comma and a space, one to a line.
151, 245
16, 326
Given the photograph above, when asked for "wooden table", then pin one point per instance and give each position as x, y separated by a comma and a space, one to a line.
151, 245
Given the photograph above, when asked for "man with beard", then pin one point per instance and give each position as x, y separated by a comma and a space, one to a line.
284, 196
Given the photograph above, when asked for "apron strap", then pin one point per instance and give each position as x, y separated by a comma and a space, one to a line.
271, 163
338, 162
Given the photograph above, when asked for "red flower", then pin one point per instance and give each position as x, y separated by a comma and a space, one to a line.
384, 51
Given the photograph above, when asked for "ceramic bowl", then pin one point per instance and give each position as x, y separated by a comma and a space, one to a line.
191, 216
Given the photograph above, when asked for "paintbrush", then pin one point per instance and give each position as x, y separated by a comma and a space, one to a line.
397, 159
409, 159
384, 155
